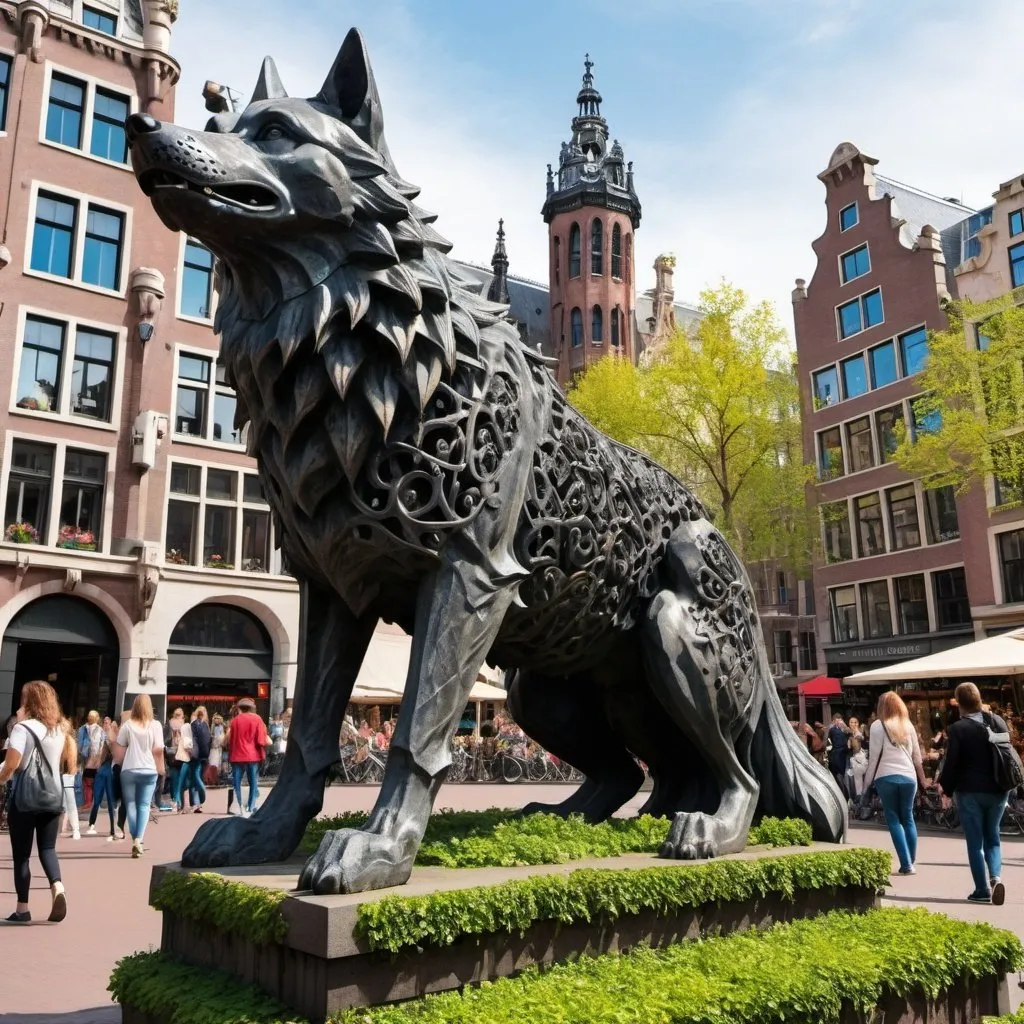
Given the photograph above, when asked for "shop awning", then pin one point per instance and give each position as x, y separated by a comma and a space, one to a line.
995, 656
820, 686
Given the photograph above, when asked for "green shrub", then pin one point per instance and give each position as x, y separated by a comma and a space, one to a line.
1009, 1018
249, 910
182, 994
441, 918
501, 838
806, 970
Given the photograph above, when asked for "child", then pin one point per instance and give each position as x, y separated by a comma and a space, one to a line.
69, 768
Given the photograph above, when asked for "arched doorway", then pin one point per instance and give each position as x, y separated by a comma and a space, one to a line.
68, 642
219, 653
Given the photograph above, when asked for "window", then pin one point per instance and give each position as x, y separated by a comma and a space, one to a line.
197, 280
627, 267
1011, 560
940, 510
885, 429
39, 374
858, 444
830, 454
556, 260
843, 607
808, 652
925, 420
835, 518
100, 20
1008, 492
952, 608
780, 584
882, 359
53, 235
867, 511
28, 488
574, 251
597, 325
5, 85
224, 507
81, 502
576, 322
826, 387
855, 264
782, 641
205, 405
855, 378
911, 604
913, 351
848, 217
903, 522
616, 250
862, 313
1016, 218
874, 608
1016, 253
616, 314
101, 260
110, 111
65, 111
970, 244
596, 247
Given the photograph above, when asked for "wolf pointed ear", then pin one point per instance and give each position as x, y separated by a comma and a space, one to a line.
269, 85
351, 88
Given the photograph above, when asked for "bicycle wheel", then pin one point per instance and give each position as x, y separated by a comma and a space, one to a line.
511, 769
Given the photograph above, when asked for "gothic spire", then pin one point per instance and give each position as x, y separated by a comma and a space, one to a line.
498, 290
589, 99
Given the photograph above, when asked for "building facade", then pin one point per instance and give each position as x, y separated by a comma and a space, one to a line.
904, 570
137, 554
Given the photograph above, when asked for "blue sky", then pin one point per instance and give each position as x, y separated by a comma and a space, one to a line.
728, 108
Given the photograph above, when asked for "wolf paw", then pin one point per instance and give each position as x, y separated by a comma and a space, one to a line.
692, 837
350, 860
236, 841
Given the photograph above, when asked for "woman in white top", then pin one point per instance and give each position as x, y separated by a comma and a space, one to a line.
140, 744
39, 716
895, 769
181, 740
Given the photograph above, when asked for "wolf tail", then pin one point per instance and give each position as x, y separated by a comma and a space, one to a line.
793, 784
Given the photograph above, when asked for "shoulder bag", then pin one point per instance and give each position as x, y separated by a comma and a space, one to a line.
1006, 763
37, 790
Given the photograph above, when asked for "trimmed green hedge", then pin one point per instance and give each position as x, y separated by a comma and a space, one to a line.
250, 910
441, 918
789, 974
1010, 1018
501, 838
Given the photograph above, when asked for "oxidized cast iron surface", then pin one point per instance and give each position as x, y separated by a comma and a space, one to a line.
423, 468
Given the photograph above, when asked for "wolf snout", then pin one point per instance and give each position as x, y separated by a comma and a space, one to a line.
140, 124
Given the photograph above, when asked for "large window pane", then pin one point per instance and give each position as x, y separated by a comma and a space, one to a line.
943, 523
5, 84
843, 608
952, 608
858, 444
197, 281
596, 247
826, 387
886, 421
883, 364
27, 507
849, 319
101, 260
914, 351
808, 652
194, 368
911, 603
835, 518
904, 527
1016, 253
182, 527
52, 235
848, 217
855, 378
224, 419
190, 413
110, 110
867, 510
92, 374
576, 322
875, 612
252, 489
1011, 559
219, 537
99, 20
574, 251
255, 541
81, 507
185, 479
616, 251
855, 264
42, 352
926, 420
872, 306
830, 453
221, 484
64, 111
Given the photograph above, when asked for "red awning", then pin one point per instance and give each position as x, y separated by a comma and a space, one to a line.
821, 686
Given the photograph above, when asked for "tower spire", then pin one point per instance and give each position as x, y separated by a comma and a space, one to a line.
498, 290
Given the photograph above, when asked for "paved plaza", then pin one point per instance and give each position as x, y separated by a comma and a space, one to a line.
57, 974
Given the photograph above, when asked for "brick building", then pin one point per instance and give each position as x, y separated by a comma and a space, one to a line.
904, 571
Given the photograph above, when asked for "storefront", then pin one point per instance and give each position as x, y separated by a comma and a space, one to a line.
68, 642
218, 654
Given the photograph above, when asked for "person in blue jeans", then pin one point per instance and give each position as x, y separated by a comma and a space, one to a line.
140, 744
968, 775
895, 769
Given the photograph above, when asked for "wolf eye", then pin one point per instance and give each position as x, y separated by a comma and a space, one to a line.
271, 133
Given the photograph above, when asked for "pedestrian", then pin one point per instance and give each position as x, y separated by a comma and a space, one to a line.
857, 768
895, 769
200, 753
178, 754
968, 775
104, 785
69, 768
140, 745
90, 752
247, 742
216, 750
36, 738
838, 750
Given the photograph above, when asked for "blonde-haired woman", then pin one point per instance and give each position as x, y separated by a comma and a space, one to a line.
895, 770
141, 744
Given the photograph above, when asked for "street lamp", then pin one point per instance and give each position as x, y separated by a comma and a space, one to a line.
220, 99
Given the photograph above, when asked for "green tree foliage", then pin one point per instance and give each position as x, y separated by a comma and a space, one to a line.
971, 414
719, 407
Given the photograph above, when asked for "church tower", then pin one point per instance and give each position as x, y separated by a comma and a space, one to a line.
591, 211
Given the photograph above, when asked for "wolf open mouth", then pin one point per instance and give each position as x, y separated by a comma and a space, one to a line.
244, 195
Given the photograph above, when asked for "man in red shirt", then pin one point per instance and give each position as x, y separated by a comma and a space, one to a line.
247, 740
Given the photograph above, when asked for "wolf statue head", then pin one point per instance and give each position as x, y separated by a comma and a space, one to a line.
319, 243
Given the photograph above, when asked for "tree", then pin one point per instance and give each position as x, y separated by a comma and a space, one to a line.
719, 407
969, 419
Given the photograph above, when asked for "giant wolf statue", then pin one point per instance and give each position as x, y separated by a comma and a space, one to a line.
423, 468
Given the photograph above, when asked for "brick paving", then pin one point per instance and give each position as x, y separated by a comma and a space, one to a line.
57, 974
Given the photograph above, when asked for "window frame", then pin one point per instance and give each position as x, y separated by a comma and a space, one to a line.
71, 325
576, 334
1018, 217
928, 523
1016, 264
819, 436
7, 59
844, 278
862, 596
859, 301
825, 546
834, 617
91, 83
103, 14
596, 325
897, 603
849, 361
815, 374
847, 425
575, 251
597, 247
870, 352
213, 388
882, 450
616, 252
856, 524
84, 201
901, 350
1001, 562
214, 297
856, 216
940, 603
891, 513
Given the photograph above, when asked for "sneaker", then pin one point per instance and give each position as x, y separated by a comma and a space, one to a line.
136, 850
979, 897
17, 918
59, 910
111, 838
76, 835
91, 830
118, 836
908, 871
998, 892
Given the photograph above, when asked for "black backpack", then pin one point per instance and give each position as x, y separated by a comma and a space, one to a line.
36, 789
1006, 763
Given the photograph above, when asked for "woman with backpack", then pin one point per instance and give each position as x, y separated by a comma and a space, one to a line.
34, 755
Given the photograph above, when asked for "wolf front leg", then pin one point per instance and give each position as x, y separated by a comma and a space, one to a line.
458, 614
332, 644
